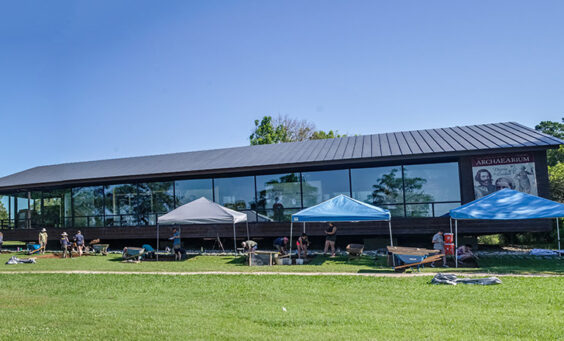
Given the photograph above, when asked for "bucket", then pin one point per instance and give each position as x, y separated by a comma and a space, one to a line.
299, 261
278, 261
449, 238
449, 249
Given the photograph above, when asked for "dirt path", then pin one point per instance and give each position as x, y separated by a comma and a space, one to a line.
197, 273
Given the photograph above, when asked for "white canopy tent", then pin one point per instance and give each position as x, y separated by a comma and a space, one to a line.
203, 211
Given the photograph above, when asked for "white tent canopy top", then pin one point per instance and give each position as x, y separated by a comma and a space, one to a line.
202, 211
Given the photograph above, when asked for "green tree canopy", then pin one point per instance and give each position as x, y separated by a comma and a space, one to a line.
555, 129
285, 129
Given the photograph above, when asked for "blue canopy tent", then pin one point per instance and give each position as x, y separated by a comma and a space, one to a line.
508, 204
341, 208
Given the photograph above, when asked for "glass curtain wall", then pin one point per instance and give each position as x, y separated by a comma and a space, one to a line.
88, 206
235, 193
190, 190
155, 198
320, 186
6, 211
278, 195
380, 186
120, 205
56, 208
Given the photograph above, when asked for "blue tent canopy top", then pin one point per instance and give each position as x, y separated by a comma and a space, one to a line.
508, 204
342, 208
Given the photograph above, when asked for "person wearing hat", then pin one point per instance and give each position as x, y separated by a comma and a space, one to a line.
65, 243
249, 246
43, 240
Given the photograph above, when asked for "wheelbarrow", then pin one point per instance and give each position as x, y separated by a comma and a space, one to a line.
133, 253
33, 248
100, 249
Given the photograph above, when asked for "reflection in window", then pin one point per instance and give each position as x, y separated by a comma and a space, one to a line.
56, 208
6, 214
154, 198
431, 182
443, 209
190, 190
121, 201
377, 186
88, 203
235, 193
320, 186
278, 192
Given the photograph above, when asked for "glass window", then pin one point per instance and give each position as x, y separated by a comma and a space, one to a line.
190, 190
442, 209
320, 186
154, 198
431, 182
56, 207
235, 193
278, 193
22, 209
377, 186
5, 206
88, 205
121, 203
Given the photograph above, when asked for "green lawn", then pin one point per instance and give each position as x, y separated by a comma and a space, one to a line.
497, 264
61, 306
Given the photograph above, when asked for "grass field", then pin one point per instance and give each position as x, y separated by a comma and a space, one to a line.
61, 306
112, 262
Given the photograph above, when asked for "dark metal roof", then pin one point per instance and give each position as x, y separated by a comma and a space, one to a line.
388, 146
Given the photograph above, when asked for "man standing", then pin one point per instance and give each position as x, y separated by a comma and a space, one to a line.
43, 240
439, 244
79, 239
65, 245
484, 183
176, 244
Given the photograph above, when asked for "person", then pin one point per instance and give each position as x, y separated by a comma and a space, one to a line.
278, 210
65, 244
302, 244
79, 240
502, 183
43, 240
484, 187
280, 244
250, 246
464, 253
331, 237
176, 244
523, 180
439, 244
1, 241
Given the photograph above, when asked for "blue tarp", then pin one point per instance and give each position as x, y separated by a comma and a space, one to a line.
341, 208
508, 204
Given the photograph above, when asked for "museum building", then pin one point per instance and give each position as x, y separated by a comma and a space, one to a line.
418, 175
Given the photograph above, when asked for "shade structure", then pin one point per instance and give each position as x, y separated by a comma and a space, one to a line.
203, 211
341, 208
508, 204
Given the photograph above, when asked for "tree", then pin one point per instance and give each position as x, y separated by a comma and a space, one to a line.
556, 180
555, 129
267, 133
286, 129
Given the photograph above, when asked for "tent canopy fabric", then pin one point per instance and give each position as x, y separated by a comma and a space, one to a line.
508, 204
202, 211
341, 208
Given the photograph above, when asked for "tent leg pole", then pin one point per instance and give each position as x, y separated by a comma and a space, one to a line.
248, 235
455, 241
450, 221
234, 239
558, 235
157, 239
291, 232
304, 226
390, 227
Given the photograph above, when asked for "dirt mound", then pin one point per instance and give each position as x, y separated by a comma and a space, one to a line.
48, 255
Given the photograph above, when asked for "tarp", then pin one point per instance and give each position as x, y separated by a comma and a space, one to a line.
508, 204
202, 211
341, 208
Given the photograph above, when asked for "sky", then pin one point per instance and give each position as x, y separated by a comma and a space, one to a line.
90, 80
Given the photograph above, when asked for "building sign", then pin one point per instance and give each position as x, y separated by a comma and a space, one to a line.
514, 171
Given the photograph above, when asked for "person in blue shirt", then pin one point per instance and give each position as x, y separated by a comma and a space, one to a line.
280, 244
79, 240
65, 243
176, 244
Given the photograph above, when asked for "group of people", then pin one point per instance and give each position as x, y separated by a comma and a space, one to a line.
66, 245
463, 253
302, 244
